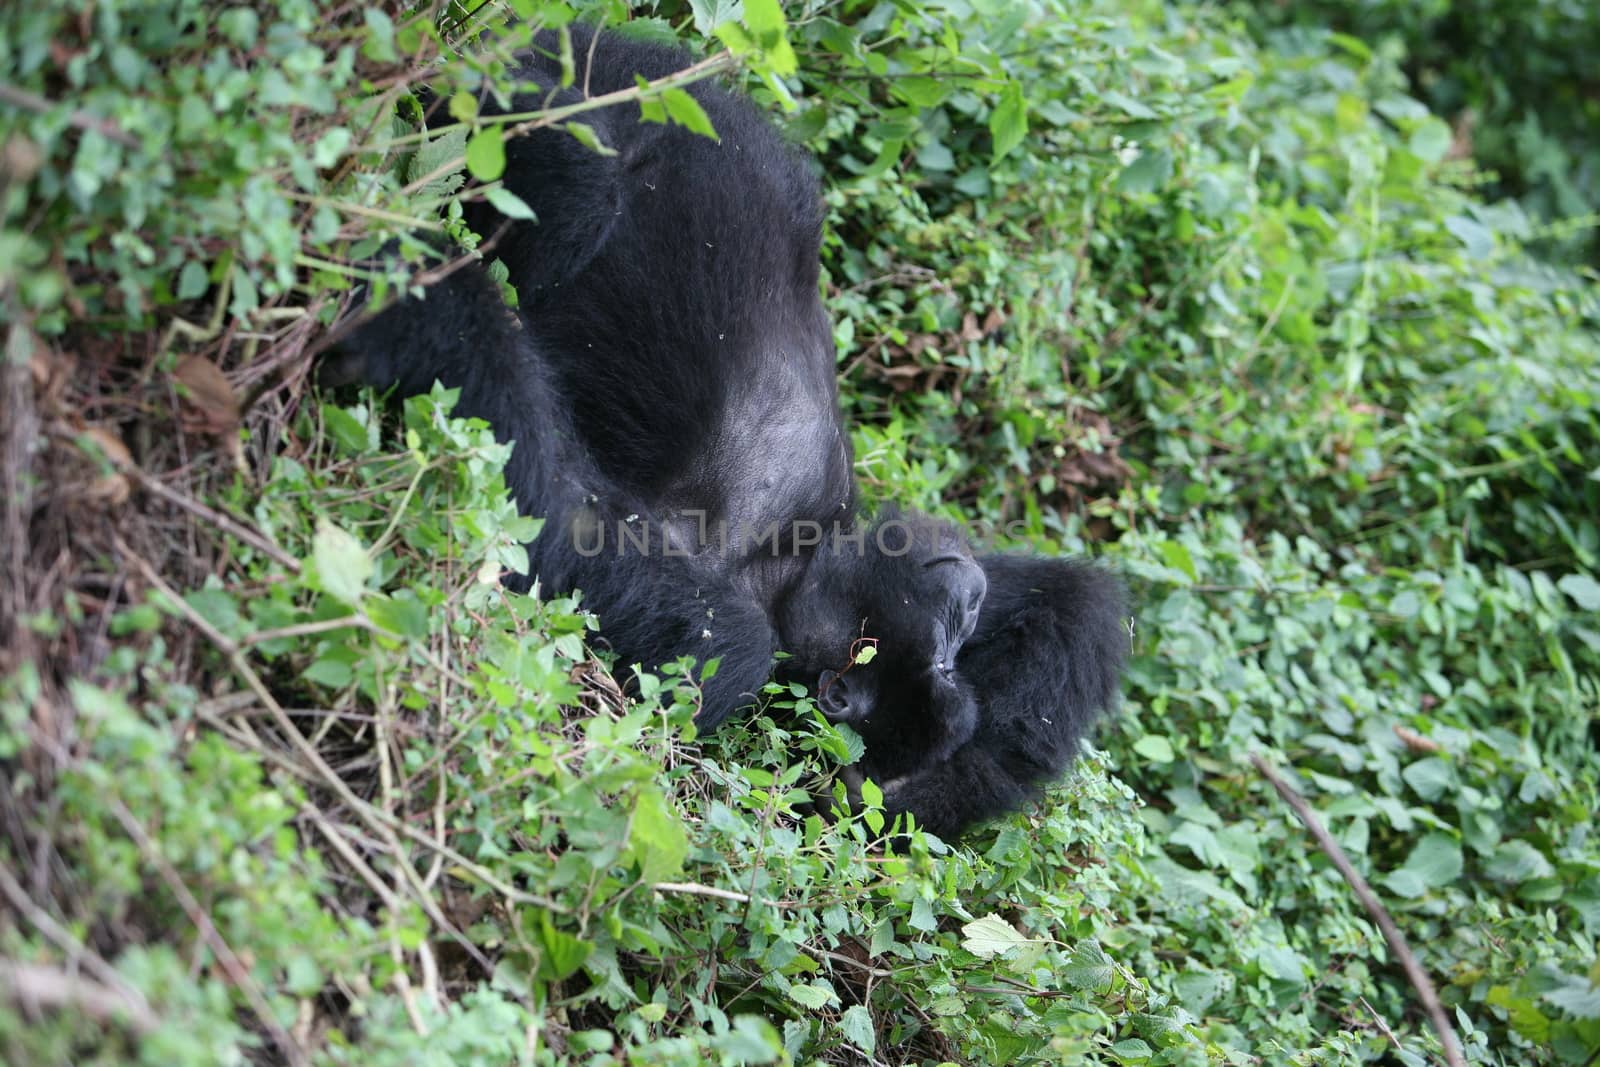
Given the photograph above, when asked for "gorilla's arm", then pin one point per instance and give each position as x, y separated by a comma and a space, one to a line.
460, 333
1044, 662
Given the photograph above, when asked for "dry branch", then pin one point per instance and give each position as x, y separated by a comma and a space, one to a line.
1391, 933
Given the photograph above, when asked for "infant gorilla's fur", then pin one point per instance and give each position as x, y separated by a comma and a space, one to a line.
669, 383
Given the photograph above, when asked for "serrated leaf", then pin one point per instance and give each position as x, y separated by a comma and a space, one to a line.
587, 137
1577, 996
990, 936
1518, 861
563, 953
1478, 238
508, 203
343, 566
1089, 968
379, 44
815, 995
403, 615
686, 111
1283, 963
193, 280
1430, 777
332, 672
768, 31
709, 14
486, 154
656, 839
1008, 122
856, 1026
436, 152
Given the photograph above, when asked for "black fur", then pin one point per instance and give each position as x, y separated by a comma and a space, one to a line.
670, 375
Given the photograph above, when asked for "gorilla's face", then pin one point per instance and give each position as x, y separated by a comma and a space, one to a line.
875, 629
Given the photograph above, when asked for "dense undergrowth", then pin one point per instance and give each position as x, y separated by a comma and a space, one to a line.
290, 778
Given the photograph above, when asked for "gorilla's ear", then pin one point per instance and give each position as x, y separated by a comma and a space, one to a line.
839, 700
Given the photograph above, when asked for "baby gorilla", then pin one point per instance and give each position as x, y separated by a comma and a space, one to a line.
669, 383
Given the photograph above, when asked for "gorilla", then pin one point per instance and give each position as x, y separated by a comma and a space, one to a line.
668, 378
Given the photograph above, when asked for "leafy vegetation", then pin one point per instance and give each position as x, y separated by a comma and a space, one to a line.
289, 777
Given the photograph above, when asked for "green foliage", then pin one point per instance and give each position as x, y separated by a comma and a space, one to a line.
1518, 84
1226, 304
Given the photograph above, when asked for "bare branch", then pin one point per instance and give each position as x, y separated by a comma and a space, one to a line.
51, 987
1391, 933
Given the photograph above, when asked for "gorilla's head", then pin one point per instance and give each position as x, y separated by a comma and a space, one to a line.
874, 627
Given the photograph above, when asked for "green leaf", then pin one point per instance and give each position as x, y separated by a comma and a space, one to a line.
921, 91
463, 106
343, 566
1089, 968
436, 152
686, 111
1178, 558
764, 19
768, 31
193, 280
486, 154
1576, 996
508, 203
1478, 239
1584, 590
379, 45
1155, 748
1283, 963
752, 1040
402, 614
656, 839
1008, 122
1149, 172
331, 671
1518, 861
709, 14
1430, 777
990, 936
856, 1026
587, 137
1430, 140
1434, 863
816, 995
563, 953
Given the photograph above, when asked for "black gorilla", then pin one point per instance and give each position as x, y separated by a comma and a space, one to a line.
669, 383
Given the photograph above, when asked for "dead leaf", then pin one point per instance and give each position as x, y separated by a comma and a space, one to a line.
210, 404
1415, 742
112, 489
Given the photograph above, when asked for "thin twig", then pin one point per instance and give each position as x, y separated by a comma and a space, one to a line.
30, 101
41, 984
688, 75
75, 951
209, 514
1391, 933
1383, 1027
306, 629
697, 890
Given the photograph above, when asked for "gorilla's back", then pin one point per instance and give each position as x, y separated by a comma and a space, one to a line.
704, 278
